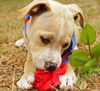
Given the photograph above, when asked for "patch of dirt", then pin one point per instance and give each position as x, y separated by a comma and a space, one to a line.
11, 68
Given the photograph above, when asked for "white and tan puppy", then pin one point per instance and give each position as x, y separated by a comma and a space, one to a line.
49, 33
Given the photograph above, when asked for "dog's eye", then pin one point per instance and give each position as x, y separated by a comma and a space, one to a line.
45, 40
65, 45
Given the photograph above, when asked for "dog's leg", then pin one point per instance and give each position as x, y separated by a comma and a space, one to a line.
19, 42
28, 77
69, 78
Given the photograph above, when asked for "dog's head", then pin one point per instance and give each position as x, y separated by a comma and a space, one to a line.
50, 29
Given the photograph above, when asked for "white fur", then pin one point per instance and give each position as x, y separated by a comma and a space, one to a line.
25, 83
48, 55
63, 81
67, 80
19, 43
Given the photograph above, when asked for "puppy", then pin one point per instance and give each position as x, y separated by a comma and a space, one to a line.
49, 32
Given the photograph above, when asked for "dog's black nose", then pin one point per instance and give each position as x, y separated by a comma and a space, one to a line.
50, 66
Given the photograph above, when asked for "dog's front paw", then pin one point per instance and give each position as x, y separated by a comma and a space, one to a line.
26, 82
67, 80
63, 81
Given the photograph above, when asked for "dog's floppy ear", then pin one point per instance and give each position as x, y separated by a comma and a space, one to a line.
36, 7
77, 14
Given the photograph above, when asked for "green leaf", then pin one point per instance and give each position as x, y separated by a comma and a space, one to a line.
90, 62
78, 58
80, 53
88, 35
96, 51
85, 70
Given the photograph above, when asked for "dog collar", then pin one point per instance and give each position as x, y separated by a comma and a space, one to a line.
66, 52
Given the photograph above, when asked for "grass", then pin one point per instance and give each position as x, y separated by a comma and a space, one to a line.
12, 58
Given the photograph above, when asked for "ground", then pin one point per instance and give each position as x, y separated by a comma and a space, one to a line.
12, 59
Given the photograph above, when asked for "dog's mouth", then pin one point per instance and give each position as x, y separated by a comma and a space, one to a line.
48, 69
49, 66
